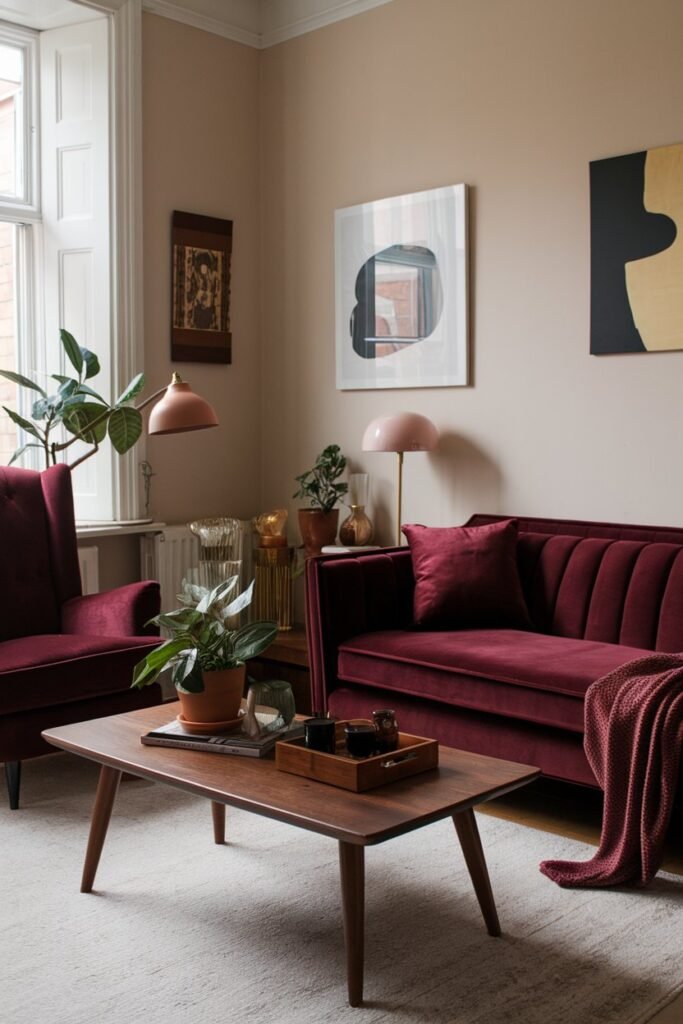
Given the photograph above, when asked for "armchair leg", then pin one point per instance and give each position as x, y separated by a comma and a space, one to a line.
13, 778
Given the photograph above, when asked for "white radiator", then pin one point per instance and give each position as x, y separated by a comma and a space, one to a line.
169, 557
173, 555
89, 564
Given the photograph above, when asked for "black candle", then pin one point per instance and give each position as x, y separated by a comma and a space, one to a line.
361, 739
319, 734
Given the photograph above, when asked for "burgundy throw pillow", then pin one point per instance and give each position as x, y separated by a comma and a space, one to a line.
466, 576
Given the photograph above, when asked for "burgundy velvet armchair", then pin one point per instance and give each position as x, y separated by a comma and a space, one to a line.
64, 657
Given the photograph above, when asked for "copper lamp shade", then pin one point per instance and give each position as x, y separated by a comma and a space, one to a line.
181, 409
400, 432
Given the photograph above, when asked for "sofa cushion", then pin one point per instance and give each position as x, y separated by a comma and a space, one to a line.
530, 676
466, 576
40, 671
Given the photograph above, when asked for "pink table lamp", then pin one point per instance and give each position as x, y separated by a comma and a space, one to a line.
400, 432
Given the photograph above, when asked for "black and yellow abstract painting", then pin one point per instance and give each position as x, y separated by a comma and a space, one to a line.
636, 206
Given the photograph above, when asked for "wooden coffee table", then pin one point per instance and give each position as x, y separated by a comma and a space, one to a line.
355, 820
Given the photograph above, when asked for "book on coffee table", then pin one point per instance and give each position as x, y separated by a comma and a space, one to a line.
173, 735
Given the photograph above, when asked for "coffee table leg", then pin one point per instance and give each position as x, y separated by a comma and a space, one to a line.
352, 869
101, 813
468, 834
218, 814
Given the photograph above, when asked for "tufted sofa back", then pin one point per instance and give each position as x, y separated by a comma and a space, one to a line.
596, 581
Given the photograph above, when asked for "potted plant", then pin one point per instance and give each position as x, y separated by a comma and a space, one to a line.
318, 524
206, 656
76, 408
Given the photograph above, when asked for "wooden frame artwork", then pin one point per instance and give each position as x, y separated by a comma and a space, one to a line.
200, 290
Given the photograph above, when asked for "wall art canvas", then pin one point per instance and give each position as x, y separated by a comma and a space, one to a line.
401, 291
200, 314
636, 206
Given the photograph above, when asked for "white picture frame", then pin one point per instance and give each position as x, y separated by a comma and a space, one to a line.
421, 239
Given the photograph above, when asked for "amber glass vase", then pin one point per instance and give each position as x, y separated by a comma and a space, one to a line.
356, 530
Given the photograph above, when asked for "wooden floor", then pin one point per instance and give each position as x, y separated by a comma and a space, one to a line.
577, 813
571, 811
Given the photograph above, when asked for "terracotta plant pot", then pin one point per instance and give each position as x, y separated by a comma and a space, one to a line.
317, 528
220, 699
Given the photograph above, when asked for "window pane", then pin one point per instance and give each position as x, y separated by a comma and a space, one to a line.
11, 98
8, 336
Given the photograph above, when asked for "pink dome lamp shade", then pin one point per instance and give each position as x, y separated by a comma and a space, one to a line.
179, 410
400, 432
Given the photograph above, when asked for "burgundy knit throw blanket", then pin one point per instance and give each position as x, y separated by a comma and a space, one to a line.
633, 740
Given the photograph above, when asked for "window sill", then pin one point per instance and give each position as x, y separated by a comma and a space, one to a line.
85, 531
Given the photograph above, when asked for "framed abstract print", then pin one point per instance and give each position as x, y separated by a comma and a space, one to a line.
401, 291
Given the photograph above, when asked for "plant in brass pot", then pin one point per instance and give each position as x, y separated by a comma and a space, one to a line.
318, 524
205, 655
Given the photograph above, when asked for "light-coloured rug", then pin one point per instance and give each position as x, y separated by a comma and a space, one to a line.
181, 930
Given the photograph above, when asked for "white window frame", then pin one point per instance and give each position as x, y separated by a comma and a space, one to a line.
26, 208
126, 336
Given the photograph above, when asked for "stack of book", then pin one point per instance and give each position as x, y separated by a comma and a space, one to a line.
173, 735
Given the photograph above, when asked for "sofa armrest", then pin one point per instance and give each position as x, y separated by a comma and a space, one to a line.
124, 611
347, 596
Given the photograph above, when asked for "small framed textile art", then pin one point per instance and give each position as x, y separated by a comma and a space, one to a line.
200, 290
401, 291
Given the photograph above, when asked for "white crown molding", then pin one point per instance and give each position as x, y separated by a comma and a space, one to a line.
223, 26
288, 25
259, 23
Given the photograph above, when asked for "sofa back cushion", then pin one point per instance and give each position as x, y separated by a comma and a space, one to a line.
38, 559
596, 581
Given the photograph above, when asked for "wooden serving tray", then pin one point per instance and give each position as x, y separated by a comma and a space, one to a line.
415, 754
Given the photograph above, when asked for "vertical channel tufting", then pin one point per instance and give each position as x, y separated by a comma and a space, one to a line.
609, 591
644, 596
576, 588
547, 578
670, 629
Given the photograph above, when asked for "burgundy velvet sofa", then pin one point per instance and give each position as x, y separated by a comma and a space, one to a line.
598, 595
63, 657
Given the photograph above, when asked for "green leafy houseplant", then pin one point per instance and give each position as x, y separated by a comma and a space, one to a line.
76, 407
200, 639
319, 484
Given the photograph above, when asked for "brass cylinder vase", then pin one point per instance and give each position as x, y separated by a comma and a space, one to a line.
273, 585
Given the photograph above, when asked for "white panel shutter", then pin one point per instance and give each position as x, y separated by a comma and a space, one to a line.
76, 223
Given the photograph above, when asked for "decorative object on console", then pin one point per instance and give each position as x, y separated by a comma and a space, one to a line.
89, 419
400, 432
401, 291
273, 569
206, 656
220, 539
636, 204
356, 530
318, 524
200, 312
466, 577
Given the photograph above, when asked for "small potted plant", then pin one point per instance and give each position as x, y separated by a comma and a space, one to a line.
206, 656
318, 524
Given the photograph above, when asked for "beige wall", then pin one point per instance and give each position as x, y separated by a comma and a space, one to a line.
201, 147
514, 97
